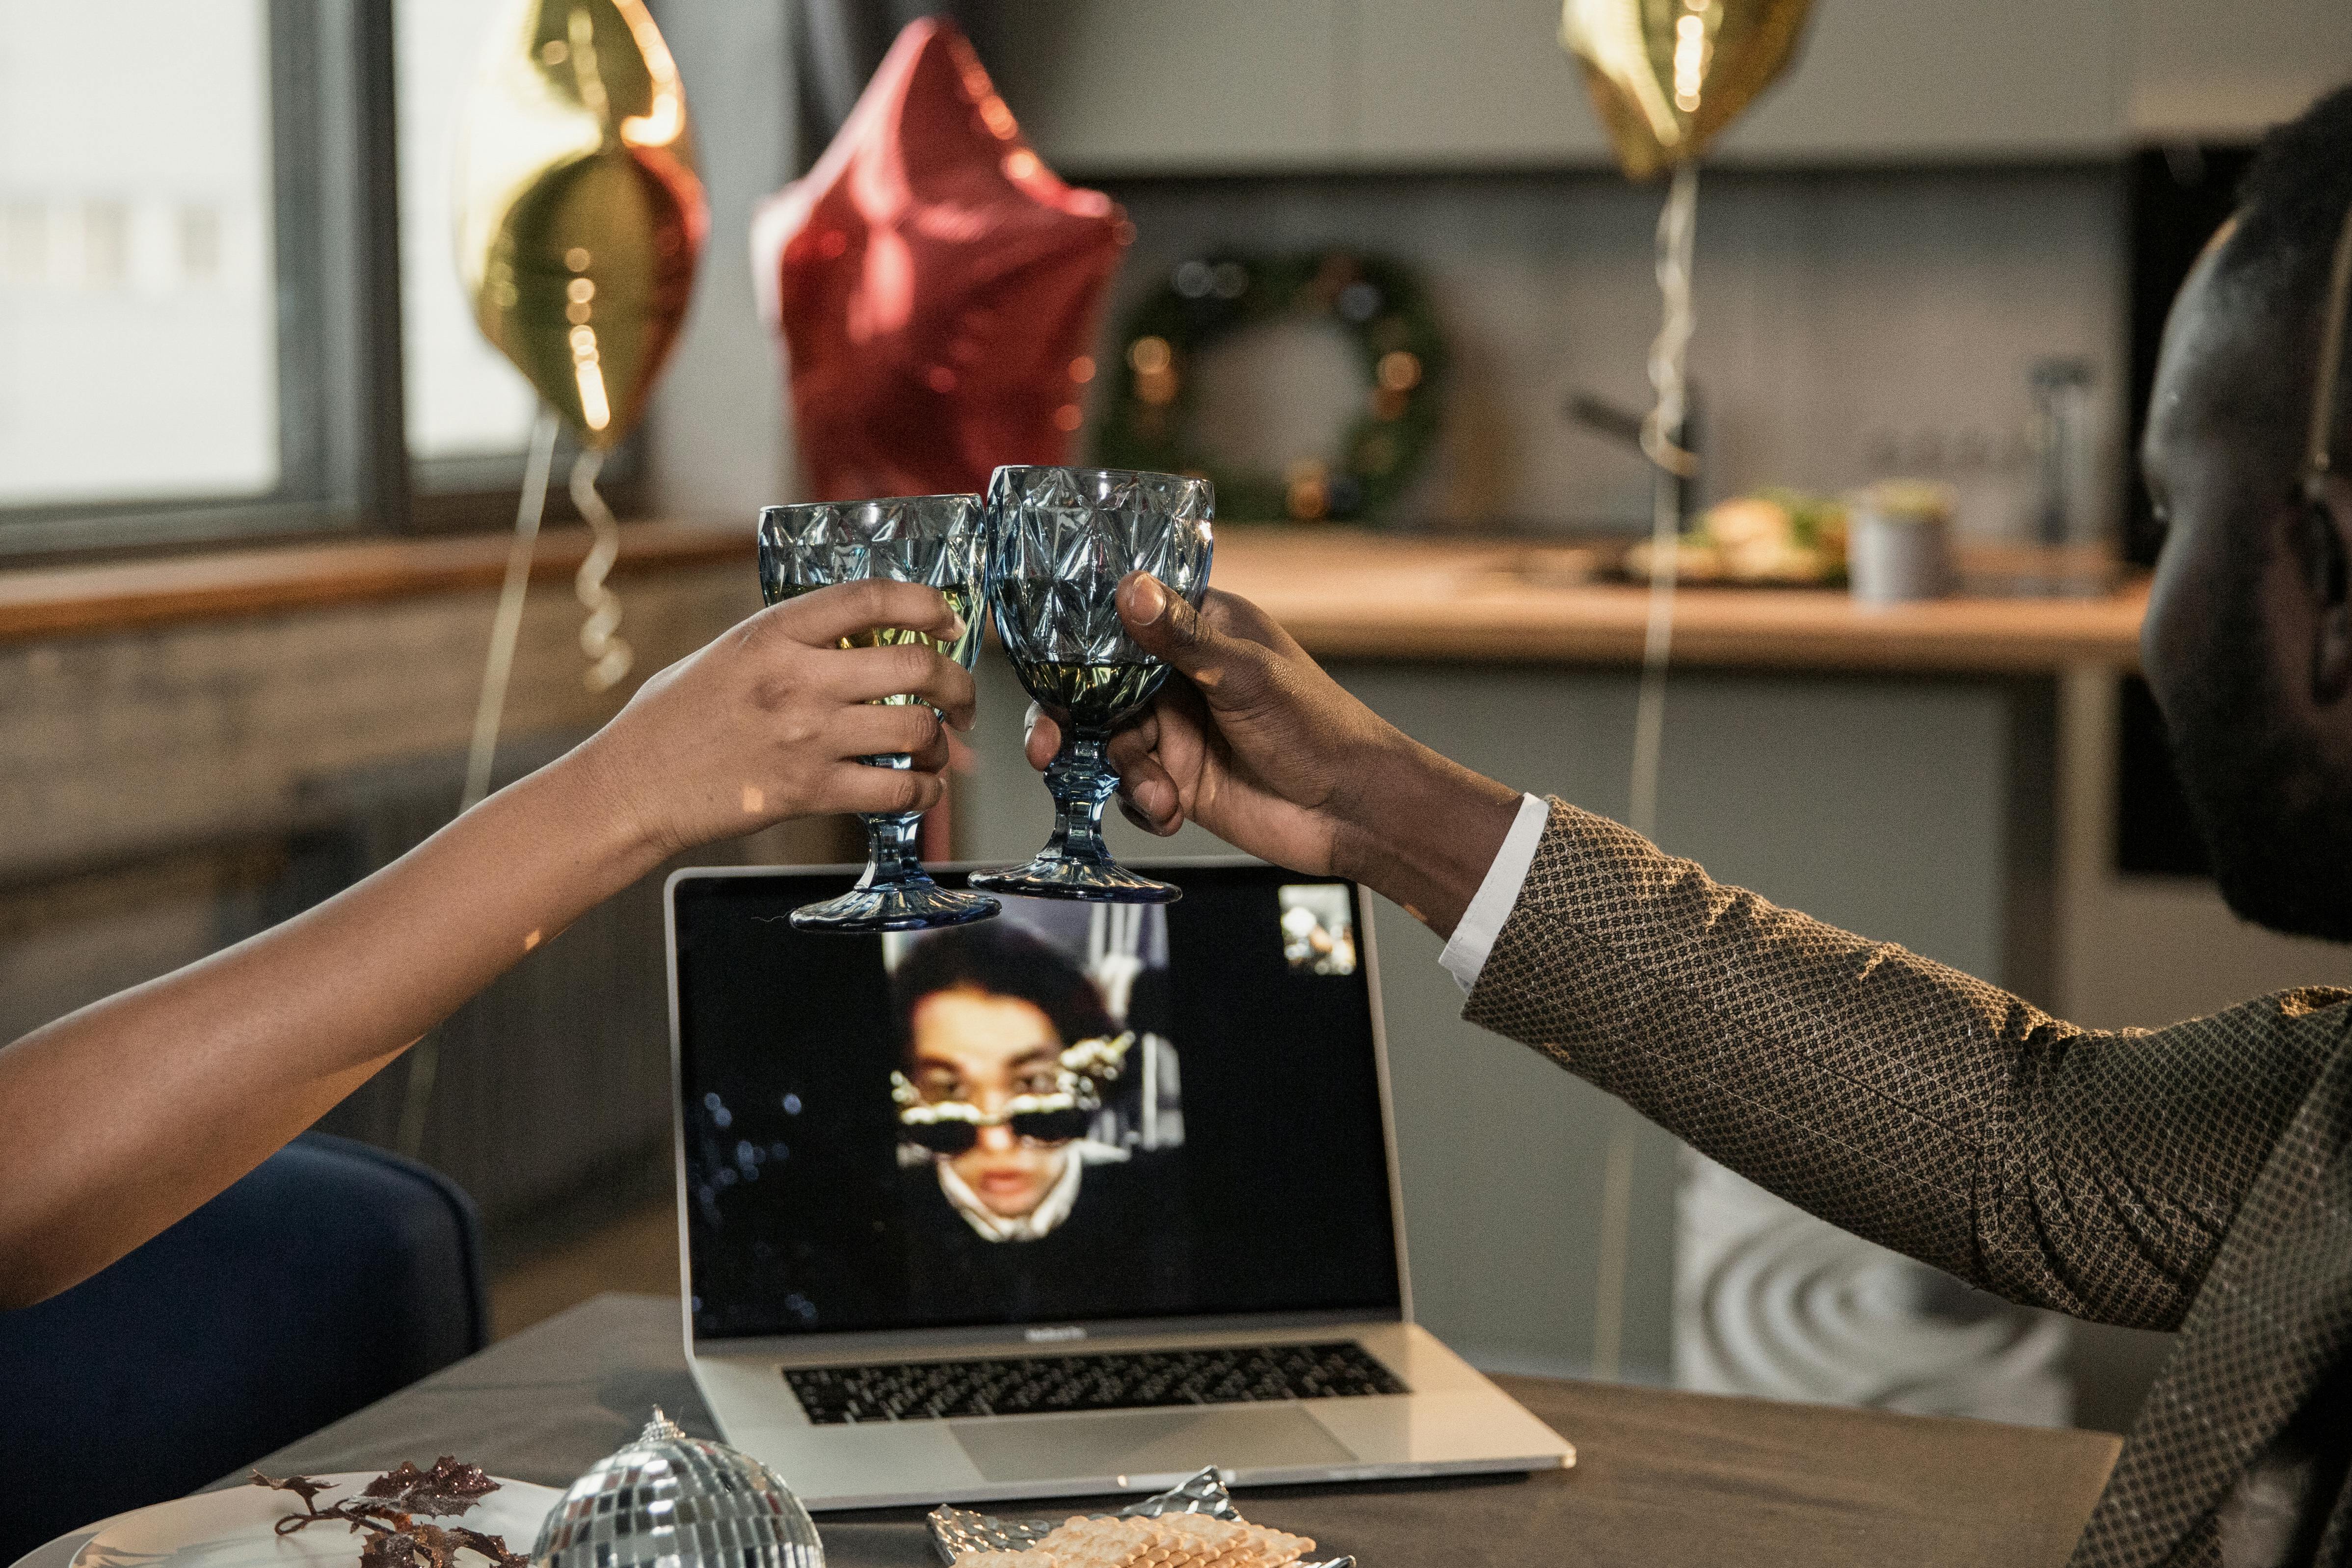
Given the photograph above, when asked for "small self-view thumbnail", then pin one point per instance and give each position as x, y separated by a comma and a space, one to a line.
1318, 927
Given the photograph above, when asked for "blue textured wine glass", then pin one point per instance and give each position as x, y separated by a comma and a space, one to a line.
938, 540
1060, 540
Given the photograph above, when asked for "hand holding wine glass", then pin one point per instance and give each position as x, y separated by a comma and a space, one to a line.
1260, 745
1060, 542
934, 540
256, 1042
771, 718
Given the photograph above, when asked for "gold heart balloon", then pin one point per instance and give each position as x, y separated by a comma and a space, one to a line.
1666, 75
579, 215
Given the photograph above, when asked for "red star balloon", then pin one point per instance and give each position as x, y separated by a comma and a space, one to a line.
935, 285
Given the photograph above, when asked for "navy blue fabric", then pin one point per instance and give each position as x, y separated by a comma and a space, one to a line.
328, 1278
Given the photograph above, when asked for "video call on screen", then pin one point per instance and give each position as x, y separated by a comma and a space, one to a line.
1073, 1112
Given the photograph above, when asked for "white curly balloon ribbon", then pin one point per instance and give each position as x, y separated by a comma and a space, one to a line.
489, 707
609, 656
1668, 354
1677, 226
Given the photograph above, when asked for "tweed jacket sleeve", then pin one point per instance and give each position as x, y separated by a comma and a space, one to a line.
2089, 1171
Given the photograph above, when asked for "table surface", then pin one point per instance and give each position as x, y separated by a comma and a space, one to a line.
1662, 1477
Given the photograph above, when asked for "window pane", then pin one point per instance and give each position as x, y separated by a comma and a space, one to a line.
463, 399
138, 344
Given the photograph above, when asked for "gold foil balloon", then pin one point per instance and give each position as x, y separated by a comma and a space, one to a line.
1666, 75
579, 214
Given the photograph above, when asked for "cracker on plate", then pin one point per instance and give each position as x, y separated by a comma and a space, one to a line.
1171, 1541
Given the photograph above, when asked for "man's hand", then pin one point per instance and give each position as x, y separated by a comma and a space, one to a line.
1254, 746
1262, 747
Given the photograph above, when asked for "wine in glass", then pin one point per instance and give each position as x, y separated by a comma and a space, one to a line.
1060, 541
938, 540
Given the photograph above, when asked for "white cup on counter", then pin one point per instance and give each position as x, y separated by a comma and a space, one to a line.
1899, 541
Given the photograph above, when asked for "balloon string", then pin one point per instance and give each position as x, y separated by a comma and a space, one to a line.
507, 625
1668, 354
610, 657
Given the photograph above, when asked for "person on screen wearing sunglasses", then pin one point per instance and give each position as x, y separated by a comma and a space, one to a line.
2196, 1177
1008, 1048
1008, 1055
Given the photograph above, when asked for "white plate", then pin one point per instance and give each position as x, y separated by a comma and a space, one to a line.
237, 1528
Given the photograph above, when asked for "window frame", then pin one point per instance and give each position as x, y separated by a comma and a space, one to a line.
344, 464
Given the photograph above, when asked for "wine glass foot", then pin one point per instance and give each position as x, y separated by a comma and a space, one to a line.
1053, 875
922, 905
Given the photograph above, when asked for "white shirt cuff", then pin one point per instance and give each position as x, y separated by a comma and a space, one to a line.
1474, 938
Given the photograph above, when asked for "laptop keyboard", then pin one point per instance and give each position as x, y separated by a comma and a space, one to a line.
1137, 1380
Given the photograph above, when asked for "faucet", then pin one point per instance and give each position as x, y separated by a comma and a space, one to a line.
1612, 419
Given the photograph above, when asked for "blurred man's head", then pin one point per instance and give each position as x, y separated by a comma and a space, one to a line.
2249, 637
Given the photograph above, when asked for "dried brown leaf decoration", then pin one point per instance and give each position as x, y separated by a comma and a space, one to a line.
391, 1550
493, 1547
384, 1510
306, 1488
450, 1487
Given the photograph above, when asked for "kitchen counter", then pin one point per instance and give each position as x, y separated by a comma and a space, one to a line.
1351, 594
1345, 593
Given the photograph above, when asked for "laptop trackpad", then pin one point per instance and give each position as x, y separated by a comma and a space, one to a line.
1147, 1442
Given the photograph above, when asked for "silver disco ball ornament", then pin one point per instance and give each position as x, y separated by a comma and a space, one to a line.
680, 1503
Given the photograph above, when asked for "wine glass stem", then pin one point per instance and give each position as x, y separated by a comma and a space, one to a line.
1081, 779
892, 852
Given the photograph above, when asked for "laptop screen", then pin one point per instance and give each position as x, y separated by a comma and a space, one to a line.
1071, 1112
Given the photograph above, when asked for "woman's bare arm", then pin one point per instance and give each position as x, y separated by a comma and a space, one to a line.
117, 1119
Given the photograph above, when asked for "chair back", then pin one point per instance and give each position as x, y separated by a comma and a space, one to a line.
329, 1276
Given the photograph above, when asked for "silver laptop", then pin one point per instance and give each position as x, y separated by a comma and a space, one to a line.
1080, 1199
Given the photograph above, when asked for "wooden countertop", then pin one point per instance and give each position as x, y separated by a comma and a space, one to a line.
1346, 594
65, 601
1343, 593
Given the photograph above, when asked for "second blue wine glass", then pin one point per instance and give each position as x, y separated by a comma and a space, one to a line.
1060, 541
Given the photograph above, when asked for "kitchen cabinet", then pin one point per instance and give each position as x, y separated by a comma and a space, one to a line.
1489, 84
1987, 79
2201, 69
1122, 86
1209, 86
1481, 84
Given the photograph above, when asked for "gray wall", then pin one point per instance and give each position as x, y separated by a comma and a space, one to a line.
1850, 324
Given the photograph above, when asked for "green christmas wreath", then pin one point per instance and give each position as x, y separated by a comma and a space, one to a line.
1379, 302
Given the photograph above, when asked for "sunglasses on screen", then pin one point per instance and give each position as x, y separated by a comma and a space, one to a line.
953, 1128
